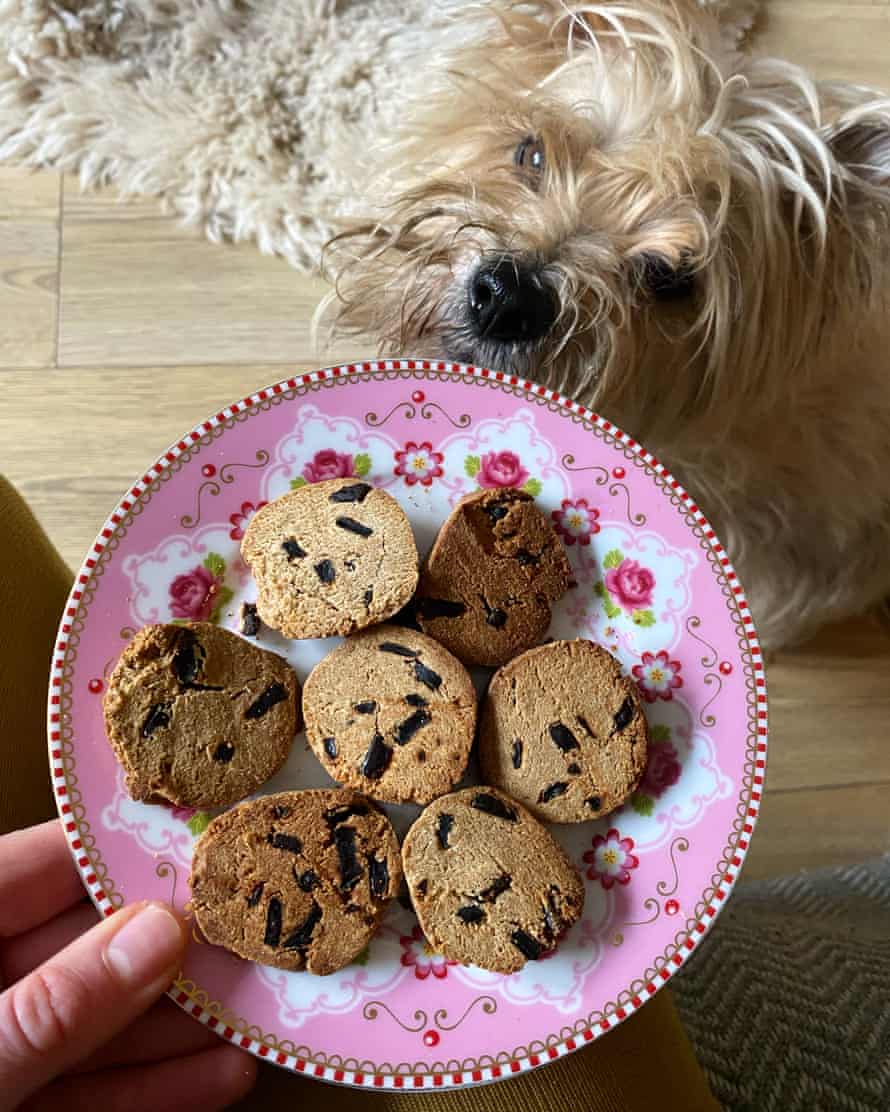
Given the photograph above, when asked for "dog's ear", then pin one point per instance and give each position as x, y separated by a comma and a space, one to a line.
861, 147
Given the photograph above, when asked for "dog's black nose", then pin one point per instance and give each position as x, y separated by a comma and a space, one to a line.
509, 302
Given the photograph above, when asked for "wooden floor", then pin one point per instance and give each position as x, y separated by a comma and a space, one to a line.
118, 330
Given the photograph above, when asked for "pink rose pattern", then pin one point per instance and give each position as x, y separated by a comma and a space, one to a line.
575, 521
419, 955
610, 859
328, 464
239, 520
658, 677
631, 585
662, 770
193, 595
196, 821
418, 463
183, 814
501, 469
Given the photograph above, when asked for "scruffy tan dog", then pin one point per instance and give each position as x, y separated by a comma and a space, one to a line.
606, 198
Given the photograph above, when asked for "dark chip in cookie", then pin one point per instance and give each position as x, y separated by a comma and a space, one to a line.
406, 730
188, 657
158, 718
275, 693
443, 829
352, 492
224, 752
302, 936
353, 526
250, 620
425, 675
286, 841
431, 608
491, 804
397, 649
378, 876
377, 758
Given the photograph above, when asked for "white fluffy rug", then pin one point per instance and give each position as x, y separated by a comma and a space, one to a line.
253, 118
248, 116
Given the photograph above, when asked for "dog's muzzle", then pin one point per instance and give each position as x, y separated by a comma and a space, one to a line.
510, 303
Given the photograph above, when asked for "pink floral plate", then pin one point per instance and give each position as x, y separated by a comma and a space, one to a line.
653, 585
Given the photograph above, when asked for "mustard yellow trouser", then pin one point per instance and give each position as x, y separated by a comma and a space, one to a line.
647, 1063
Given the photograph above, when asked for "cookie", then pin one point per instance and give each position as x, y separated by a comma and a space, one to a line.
391, 713
563, 731
298, 880
198, 716
490, 885
488, 584
330, 558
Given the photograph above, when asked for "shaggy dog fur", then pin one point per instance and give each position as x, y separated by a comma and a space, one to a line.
704, 242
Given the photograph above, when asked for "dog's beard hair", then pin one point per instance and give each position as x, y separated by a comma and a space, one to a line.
733, 176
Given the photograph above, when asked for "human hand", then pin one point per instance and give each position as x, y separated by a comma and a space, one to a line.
82, 1021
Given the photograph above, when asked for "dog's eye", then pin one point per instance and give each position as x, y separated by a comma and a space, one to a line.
665, 281
529, 156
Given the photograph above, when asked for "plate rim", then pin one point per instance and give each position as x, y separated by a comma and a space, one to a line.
59, 695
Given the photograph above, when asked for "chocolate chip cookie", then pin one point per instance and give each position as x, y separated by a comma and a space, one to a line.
298, 880
330, 558
391, 713
198, 716
490, 885
488, 584
563, 731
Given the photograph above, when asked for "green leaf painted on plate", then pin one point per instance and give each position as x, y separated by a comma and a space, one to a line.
660, 733
533, 487
644, 618
363, 957
472, 465
222, 599
295, 484
613, 559
612, 611
362, 464
215, 564
642, 804
198, 823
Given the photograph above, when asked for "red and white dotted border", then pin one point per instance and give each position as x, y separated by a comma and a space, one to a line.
408, 1082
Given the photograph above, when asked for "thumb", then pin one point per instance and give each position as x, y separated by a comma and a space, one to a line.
80, 997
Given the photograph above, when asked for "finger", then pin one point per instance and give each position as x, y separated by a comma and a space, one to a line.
210, 1080
27, 951
73, 1003
165, 1031
38, 879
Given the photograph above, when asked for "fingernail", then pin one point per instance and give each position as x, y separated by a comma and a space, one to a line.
145, 946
